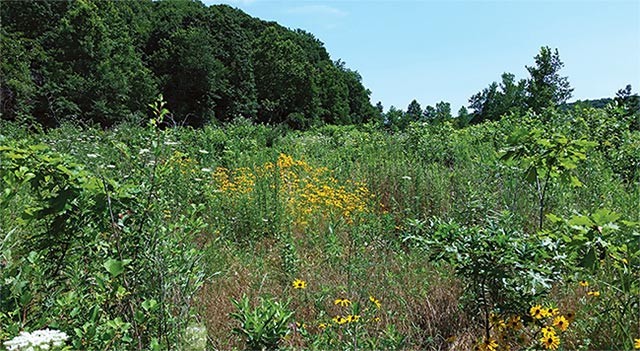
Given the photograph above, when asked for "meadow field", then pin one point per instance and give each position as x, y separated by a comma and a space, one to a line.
519, 234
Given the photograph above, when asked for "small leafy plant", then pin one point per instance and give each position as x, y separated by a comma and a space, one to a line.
264, 326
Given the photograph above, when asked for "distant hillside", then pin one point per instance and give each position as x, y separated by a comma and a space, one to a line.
105, 61
596, 103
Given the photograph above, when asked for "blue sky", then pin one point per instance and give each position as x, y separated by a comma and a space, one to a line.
435, 51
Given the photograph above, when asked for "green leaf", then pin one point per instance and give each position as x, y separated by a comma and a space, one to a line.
115, 267
149, 305
575, 182
553, 218
589, 260
582, 221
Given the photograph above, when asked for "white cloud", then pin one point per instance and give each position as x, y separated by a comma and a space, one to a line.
317, 10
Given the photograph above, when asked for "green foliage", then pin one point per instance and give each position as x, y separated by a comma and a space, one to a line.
17, 90
546, 88
100, 63
545, 159
264, 326
109, 235
502, 271
498, 100
82, 256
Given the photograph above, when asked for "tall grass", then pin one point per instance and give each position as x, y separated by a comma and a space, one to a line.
334, 207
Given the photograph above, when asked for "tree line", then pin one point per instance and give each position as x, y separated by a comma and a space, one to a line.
104, 61
545, 88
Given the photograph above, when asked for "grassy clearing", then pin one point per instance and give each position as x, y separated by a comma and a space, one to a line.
200, 218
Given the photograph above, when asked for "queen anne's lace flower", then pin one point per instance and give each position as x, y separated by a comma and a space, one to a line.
37, 340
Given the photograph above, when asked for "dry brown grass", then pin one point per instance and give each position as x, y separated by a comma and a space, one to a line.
420, 303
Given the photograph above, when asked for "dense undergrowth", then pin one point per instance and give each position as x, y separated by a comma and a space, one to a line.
513, 234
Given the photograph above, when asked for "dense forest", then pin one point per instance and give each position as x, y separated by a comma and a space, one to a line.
181, 177
105, 61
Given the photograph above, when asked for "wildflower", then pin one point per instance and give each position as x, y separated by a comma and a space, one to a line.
515, 323
570, 316
548, 331
550, 341
38, 339
339, 320
537, 312
636, 344
497, 322
375, 302
491, 344
299, 284
561, 323
323, 326
593, 293
584, 283
342, 302
551, 311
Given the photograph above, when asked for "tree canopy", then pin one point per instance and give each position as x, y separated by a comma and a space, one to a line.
104, 62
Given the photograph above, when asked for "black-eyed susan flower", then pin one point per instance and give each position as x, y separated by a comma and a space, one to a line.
551, 311
570, 316
323, 326
636, 344
299, 284
537, 312
593, 293
550, 341
584, 283
339, 320
489, 344
561, 323
375, 302
497, 322
548, 331
515, 323
342, 302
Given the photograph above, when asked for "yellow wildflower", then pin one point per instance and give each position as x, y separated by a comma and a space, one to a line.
299, 284
584, 283
537, 312
636, 344
339, 320
593, 293
548, 331
570, 316
515, 323
375, 301
342, 302
490, 344
561, 323
550, 341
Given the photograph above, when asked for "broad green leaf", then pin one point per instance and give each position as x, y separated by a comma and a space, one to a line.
115, 267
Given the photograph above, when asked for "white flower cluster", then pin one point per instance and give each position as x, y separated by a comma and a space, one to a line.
37, 340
